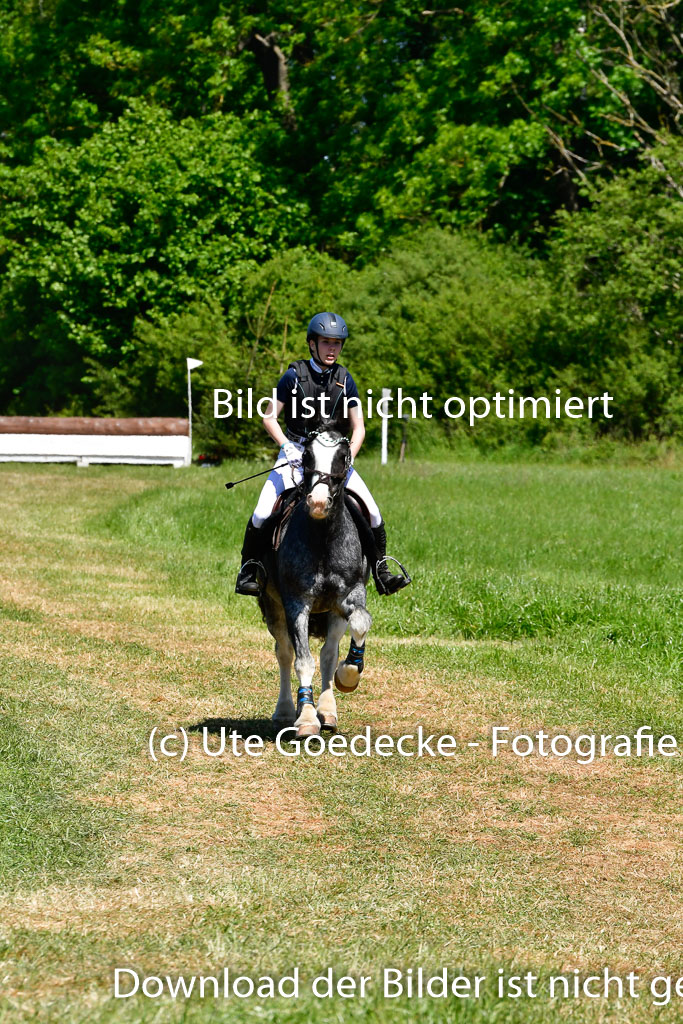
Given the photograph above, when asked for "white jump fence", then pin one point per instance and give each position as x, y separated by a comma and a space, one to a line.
151, 440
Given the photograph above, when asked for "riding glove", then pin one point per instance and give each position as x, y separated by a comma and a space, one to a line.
292, 453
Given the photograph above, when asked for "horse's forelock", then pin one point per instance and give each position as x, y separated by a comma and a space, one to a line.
329, 450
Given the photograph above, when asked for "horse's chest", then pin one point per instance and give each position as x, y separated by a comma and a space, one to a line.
322, 584
319, 566
330, 585
321, 579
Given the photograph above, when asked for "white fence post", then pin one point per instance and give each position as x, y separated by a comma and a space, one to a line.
386, 394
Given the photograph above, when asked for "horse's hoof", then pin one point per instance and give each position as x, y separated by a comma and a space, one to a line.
308, 729
347, 677
328, 721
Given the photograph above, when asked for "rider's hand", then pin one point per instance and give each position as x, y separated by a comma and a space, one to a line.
291, 453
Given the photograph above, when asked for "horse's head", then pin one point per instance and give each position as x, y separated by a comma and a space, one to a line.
326, 461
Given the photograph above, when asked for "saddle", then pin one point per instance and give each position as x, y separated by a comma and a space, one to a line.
288, 500
361, 518
282, 511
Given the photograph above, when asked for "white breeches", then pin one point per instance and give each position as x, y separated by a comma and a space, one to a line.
285, 476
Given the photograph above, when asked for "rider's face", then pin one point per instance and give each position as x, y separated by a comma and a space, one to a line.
328, 350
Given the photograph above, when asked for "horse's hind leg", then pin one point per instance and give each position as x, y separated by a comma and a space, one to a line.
306, 723
285, 712
329, 655
348, 673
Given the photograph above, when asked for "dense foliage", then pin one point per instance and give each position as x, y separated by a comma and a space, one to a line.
492, 195
142, 217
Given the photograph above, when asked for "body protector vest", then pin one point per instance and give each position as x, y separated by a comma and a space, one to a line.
303, 423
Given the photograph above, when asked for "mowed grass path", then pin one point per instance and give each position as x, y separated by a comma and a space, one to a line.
543, 597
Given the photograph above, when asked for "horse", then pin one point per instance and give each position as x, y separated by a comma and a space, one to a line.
316, 584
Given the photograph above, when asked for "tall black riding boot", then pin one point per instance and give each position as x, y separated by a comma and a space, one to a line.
385, 581
252, 574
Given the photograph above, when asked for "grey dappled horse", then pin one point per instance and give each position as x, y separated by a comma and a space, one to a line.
316, 586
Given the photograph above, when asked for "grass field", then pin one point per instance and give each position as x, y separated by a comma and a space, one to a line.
544, 597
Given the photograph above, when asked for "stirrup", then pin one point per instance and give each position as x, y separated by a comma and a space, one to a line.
255, 582
398, 582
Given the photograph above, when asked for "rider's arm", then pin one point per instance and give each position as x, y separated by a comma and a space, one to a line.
357, 428
271, 424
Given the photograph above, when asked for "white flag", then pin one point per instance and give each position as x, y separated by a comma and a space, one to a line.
192, 364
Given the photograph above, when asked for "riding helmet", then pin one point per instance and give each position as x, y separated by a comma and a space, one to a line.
327, 325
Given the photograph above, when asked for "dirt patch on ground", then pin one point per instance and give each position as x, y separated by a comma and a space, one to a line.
600, 843
246, 794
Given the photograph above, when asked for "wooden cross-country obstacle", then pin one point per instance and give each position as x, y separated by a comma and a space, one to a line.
144, 440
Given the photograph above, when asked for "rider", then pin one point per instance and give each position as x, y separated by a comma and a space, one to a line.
318, 376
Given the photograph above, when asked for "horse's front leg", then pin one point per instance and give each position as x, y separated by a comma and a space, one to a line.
348, 673
329, 655
306, 723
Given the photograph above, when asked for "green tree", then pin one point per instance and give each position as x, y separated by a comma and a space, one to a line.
617, 320
146, 216
67, 67
383, 116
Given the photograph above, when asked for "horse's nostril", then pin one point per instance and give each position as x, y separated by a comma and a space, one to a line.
318, 509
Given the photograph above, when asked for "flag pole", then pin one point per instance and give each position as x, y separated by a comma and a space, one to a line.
192, 364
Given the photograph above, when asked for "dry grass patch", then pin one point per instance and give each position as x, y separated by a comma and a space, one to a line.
92, 910
593, 854
395, 702
524, 861
144, 677
236, 798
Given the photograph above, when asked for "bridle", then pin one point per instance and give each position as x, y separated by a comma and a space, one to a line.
331, 479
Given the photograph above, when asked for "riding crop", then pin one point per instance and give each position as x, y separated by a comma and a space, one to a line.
278, 465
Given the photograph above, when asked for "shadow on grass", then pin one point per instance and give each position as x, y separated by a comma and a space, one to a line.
267, 731
262, 727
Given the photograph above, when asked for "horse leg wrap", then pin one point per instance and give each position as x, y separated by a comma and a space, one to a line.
304, 695
355, 655
347, 676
